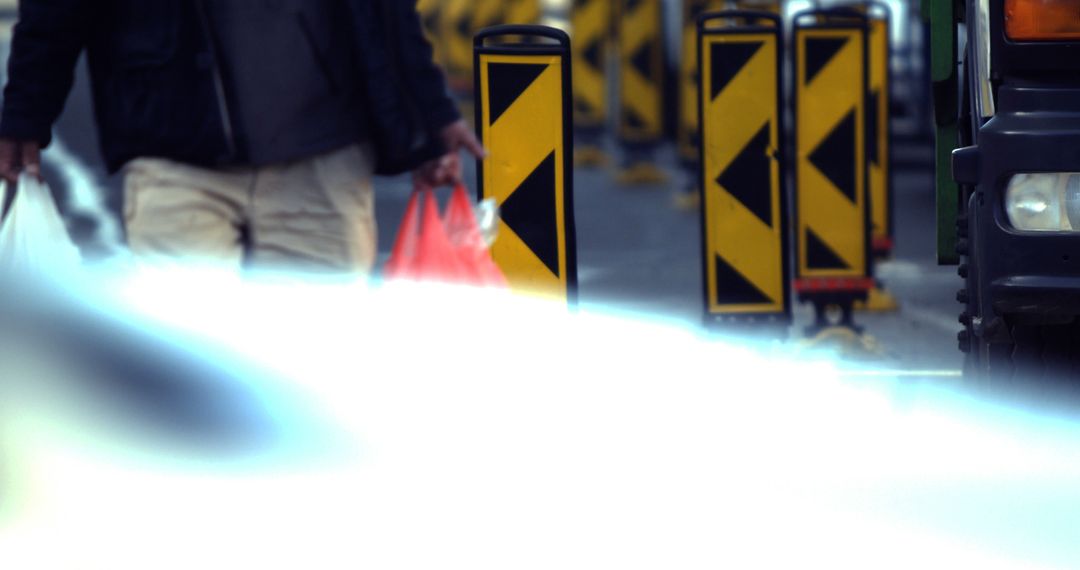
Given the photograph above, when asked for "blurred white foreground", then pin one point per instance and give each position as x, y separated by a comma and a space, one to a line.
234, 425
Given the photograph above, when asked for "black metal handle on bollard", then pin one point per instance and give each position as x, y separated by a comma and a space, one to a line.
523, 30
748, 15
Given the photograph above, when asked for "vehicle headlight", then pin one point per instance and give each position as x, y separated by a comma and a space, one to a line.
1044, 202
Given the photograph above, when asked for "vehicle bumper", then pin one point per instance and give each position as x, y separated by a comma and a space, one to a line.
1037, 295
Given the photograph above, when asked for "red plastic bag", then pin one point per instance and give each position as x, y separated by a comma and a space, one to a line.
467, 239
448, 249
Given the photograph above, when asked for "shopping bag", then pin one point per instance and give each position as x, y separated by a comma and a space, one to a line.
400, 264
33, 238
422, 251
448, 249
465, 236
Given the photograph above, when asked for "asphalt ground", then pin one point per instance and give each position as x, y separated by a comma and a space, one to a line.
637, 252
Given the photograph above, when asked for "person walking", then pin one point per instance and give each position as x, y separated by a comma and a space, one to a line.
248, 130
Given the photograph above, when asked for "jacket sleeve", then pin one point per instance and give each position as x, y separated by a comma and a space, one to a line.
423, 77
46, 44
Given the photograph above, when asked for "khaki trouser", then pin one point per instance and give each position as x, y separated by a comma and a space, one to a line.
313, 215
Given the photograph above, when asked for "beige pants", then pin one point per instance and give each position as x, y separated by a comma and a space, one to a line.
314, 215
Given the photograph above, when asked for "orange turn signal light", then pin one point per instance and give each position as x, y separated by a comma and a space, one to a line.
1042, 20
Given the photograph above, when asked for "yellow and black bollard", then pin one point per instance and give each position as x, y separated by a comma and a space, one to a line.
457, 32
832, 229
879, 136
641, 89
488, 13
589, 22
688, 135
461, 19
879, 150
522, 11
524, 112
744, 215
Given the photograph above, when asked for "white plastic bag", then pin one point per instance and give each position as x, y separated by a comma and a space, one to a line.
33, 238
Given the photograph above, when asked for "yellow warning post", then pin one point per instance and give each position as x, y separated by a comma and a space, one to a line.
744, 217
879, 135
488, 13
688, 134
688, 137
641, 72
832, 204
881, 198
641, 88
590, 24
522, 11
832, 201
523, 102
457, 30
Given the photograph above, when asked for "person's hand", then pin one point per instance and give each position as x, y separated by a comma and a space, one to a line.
19, 156
447, 169
458, 135
442, 171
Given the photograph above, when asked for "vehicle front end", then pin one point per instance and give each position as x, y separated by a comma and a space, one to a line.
1018, 230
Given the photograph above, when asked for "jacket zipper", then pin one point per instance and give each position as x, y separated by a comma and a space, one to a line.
219, 83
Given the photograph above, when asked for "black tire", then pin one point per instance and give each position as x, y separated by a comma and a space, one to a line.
1045, 352
1036, 354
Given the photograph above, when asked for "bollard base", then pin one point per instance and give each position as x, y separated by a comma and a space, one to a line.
687, 200
588, 156
832, 312
846, 343
641, 173
879, 301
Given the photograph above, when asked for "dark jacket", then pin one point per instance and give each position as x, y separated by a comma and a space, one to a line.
159, 90
291, 75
